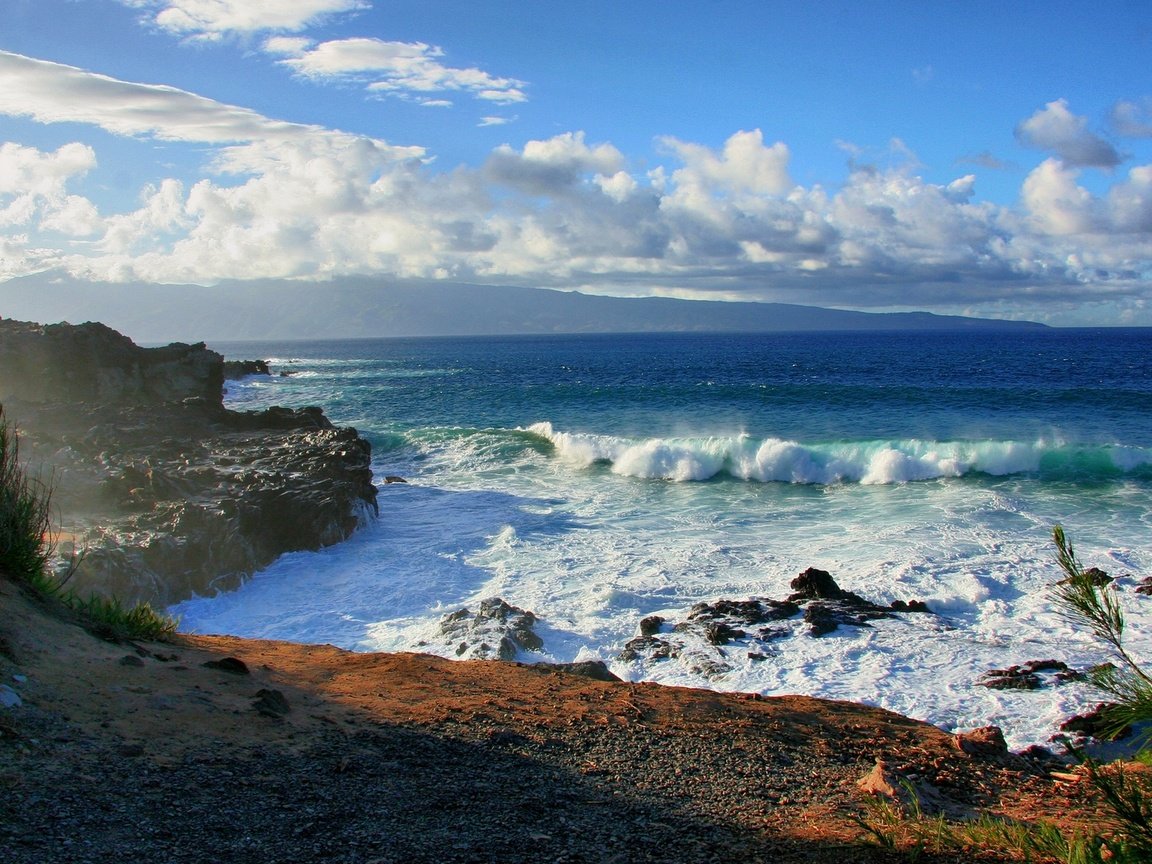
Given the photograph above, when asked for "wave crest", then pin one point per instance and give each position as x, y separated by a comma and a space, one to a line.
774, 460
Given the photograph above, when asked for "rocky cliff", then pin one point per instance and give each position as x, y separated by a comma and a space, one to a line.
163, 490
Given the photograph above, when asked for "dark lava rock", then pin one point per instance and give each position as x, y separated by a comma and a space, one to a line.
649, 648
1097, 724
696, 642
1145, 586
651, 625
830, 606
497, 631
168, 493
910, 606
597, 670
271, 703
747, 612
814, 584
1027, 676
234, 369
824, 618
232, 665
1013, 678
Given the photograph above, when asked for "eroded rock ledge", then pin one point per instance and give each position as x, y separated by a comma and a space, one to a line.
168, 492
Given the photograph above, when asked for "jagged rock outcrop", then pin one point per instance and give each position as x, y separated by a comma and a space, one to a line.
93, 364
716, 637
1032, 675
497, 630
234, 369
164, 491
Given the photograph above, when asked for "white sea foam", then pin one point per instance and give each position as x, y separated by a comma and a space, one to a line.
776, 460
593, 553
595, 528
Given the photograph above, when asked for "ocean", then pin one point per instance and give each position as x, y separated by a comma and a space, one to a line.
598, 480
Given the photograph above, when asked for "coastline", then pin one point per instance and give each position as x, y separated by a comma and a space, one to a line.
403, 757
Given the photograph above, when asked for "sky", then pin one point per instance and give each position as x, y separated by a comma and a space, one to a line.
982, 158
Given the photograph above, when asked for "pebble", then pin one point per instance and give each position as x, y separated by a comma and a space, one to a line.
9, 698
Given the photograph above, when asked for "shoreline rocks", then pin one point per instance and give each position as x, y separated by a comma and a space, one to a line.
164, 493
712, 635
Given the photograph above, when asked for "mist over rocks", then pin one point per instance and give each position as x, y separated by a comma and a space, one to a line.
162, 491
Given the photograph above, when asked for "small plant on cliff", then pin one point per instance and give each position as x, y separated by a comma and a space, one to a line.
111, 619
27, 545
1086, 603
25, 515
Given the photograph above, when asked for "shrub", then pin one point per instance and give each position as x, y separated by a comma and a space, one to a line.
25, 516
1082, 601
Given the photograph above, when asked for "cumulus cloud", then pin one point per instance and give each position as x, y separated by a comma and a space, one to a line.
1056, 129
551, 167
282, 200
213, 19
395, 68
33, 189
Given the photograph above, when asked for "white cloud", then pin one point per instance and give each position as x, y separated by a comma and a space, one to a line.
1133, 119
552, 166
1130, 202
1055, 203
212, 19
33, 189
747, 171
397, 68
54, 93
1055, 129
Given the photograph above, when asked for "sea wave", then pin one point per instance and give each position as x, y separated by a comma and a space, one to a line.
773, 460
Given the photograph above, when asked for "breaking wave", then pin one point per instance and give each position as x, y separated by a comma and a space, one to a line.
772, 460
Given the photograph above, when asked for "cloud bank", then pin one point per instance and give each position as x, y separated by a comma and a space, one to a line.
286, 200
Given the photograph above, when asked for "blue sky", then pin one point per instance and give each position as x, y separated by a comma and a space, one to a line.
968, 157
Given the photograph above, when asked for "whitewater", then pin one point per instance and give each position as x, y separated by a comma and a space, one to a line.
601, 480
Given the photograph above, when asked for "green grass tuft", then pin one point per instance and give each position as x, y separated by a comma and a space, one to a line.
110, 619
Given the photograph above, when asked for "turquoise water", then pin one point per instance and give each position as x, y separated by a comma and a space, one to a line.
599, 479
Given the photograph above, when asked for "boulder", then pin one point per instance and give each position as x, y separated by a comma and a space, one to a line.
496, 631
1033, 675
987, 741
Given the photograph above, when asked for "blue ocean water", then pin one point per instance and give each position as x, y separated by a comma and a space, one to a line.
599, 479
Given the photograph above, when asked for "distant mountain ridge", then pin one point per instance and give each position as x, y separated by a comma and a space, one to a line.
365, 307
